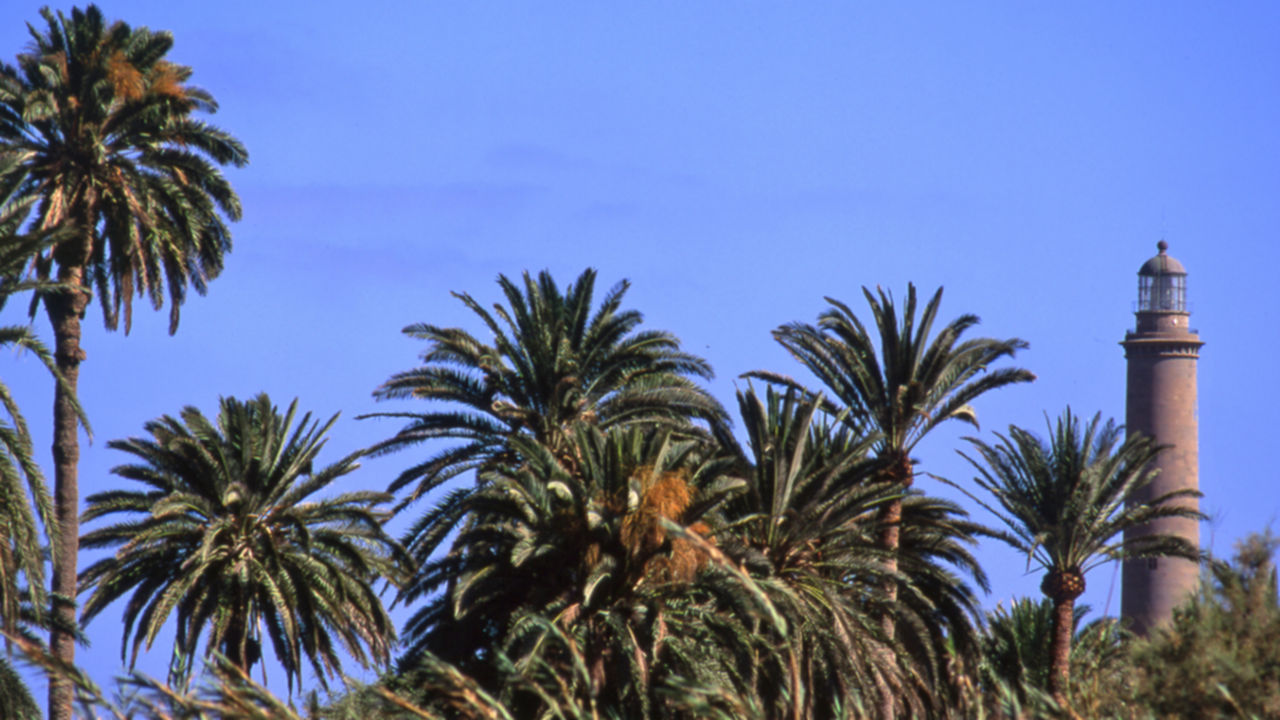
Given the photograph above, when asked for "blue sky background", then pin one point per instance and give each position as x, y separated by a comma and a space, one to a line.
737, 162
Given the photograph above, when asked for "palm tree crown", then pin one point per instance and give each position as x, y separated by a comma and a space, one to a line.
905, 384
98, 125
227, 534
553, 361
1067, 503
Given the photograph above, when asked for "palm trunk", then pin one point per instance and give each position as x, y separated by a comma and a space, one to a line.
890, 540
65, 309
1060, 648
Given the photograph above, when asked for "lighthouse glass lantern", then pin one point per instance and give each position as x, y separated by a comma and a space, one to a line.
1162, 284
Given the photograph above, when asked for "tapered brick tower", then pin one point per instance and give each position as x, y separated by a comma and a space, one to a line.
1161, 403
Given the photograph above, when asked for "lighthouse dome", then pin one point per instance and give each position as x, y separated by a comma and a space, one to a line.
1162, 263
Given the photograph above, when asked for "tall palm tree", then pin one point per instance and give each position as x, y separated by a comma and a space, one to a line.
904, 384
1067, 504
226, 533
899, 385
98, 126
553, 361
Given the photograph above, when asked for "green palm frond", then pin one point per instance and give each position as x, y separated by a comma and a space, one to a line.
552, 361
1067, 503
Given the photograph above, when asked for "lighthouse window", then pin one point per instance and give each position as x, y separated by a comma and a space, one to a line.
1151, 563
1162, 292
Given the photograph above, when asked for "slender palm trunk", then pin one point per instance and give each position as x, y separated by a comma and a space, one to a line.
890, 540
65, 309
1064, 610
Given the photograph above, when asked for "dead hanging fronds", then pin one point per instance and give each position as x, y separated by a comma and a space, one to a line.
125, 78
167, 79
654, 500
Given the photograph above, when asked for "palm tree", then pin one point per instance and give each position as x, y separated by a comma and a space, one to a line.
1067, 505
226, 534
98, 126
899, 387
552, 362
904, 385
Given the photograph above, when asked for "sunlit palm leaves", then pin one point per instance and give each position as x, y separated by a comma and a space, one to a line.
898, 385
227, 536
552, 361
905, 383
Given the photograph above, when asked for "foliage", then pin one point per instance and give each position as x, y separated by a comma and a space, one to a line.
24, 498
226, 534
1220, 657
610, 550
14, 695
805, 529
898, 386
99, 141
1016, 654
902, 383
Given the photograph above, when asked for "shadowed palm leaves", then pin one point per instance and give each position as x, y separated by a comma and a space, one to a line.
97, 126
807, 528
611, 552
552, 362
23, 498
1067, 504
227, 535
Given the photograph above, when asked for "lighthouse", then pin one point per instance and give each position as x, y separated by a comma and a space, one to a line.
1161, 403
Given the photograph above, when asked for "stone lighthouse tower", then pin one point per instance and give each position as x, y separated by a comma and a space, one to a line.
1161, 403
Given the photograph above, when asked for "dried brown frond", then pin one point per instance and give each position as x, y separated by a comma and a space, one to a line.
166, 79
125, 78
669, 496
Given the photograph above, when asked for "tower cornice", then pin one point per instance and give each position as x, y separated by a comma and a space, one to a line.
1188, 347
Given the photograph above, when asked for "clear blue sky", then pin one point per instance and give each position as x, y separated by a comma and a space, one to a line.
737, 162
